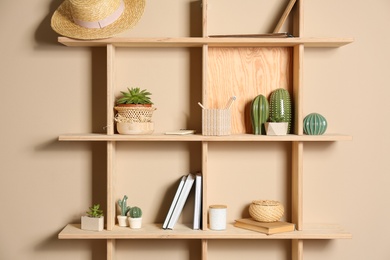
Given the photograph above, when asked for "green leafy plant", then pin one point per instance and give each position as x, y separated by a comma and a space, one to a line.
135, 212
95, 211
135, 96
123, 206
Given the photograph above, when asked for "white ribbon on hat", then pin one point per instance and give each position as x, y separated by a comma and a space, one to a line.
104, 22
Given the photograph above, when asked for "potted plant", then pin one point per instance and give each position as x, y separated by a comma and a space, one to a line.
135, 218
94, 220
135, 112
122, 218
277, 126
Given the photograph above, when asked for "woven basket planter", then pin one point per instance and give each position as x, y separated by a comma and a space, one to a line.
266, 210
134, 119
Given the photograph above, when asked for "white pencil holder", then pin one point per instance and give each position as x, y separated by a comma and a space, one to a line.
216, 122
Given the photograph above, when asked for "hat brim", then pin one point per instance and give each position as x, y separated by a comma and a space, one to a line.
62, 22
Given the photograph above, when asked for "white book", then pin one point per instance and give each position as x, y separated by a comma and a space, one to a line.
198, 202
174, 201
182, 200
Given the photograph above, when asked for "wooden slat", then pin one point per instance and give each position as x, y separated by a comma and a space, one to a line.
185, 231
285, 14
199, 138
213, 42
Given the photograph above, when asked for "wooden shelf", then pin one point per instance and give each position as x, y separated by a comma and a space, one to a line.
181, 231
201, 138
212, 42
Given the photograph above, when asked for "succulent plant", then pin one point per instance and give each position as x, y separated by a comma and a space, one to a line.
135, 212
135, 96
123, 205
95, 211
259, 114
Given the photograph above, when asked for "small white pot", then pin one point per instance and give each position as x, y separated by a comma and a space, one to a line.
92, 224
273, 128
135, 222
122, 221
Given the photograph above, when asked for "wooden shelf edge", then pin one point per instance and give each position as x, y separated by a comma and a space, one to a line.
199, 138
181, 231
212, 42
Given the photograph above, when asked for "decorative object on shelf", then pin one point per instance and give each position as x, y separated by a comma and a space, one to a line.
135, 218
217, 121
90, 19
217, 217
135, 112
259, 114
314, 124
266, 210
94, 220
122, 218
280, 107
276, 128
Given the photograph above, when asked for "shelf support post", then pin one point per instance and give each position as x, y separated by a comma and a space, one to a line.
111, 149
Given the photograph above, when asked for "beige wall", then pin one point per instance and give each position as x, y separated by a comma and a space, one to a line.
48, 89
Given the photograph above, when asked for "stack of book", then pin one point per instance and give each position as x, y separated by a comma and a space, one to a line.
268, 228
180, 198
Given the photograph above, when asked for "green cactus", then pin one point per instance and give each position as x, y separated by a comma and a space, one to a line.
259, 114
123, 206
135, 212
280, 107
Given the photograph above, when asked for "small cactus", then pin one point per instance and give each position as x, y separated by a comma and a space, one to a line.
259, 114
123, 206
280, 107
135, 212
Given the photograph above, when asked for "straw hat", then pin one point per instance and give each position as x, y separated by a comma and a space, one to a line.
96, 19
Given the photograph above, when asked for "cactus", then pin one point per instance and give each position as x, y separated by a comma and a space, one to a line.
135, 212
280, 107
259, 114
314, 124
123, 206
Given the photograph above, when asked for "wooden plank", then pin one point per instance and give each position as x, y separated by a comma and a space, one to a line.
200, 138
185, 231
205, 153
111, 249
246, 73
213, 42
297, 249
285, 14
204, 255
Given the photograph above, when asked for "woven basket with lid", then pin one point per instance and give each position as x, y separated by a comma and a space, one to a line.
266, 210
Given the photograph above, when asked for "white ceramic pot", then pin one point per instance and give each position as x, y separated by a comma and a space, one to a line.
135, 222
272, 128
122, 221
92, 224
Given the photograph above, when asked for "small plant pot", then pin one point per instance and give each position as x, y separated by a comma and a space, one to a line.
122, 221
92, 224
135, 128
135, 222
273, 128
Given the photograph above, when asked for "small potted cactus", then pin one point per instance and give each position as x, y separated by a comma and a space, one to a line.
94, 220
135, 218
135, 112
277, 126
124, 209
